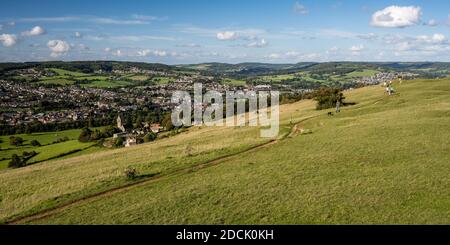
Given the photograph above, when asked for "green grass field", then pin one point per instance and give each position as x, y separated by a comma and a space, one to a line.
65, 77
62, 72
106, 84
385, 160
364, 73
162, 80
48, 150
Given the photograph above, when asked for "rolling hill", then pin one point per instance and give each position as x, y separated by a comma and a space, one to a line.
384, 160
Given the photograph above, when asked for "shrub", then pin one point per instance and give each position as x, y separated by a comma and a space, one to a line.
16, 162
130, 173
149, 137
16, 141
118, 142
108, 131
35, 143
85, 135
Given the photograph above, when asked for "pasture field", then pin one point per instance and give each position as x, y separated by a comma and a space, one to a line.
106, 84
47, 150
364, 73
138, 77
57, 81
385, 160
62, 72
65, 77
162, 80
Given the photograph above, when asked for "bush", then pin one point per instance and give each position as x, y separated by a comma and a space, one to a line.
149, 137
130, 173
327, 97
118, 142
35, 143
85, 135
108, 131
16, 162
16, 141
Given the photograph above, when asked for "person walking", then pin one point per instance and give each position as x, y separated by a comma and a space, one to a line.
338, 104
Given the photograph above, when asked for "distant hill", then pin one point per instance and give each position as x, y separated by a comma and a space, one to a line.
240, 69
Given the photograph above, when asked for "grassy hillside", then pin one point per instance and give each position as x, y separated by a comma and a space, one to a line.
384, 160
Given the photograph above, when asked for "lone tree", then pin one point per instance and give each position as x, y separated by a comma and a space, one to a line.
327, 97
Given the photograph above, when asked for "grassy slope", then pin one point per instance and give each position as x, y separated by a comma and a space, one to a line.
45, 185
384, 160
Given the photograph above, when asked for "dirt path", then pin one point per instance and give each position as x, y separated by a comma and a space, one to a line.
51, 211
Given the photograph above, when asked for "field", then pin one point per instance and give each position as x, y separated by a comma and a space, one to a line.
364, 73
64, 77
47, 150
162, 80
385, 160
234, 82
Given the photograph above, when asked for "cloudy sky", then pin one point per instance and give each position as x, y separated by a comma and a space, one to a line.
176, 31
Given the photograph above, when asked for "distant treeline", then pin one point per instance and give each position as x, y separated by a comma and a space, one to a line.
84, 66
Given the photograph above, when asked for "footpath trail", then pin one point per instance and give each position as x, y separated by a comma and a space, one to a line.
54, 210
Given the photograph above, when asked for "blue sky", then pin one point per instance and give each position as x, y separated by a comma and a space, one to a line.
231, 31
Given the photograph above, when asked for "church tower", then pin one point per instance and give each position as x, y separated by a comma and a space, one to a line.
120, 123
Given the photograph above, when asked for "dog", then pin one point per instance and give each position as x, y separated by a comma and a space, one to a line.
330, 114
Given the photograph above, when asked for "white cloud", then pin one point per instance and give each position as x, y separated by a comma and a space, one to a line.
118, 52
8, 40
274, 56
369, 36
397, 16
332, 50
147, 17
404, 46
83, 47
130, 38
227, 35
78, 34
431, 22
93, 19
101, 20
294, 56
158, 53
11, 23
35, 31
357, 48
258, 44
58, 47
435, 38
107, 49
189, 45
299, 8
